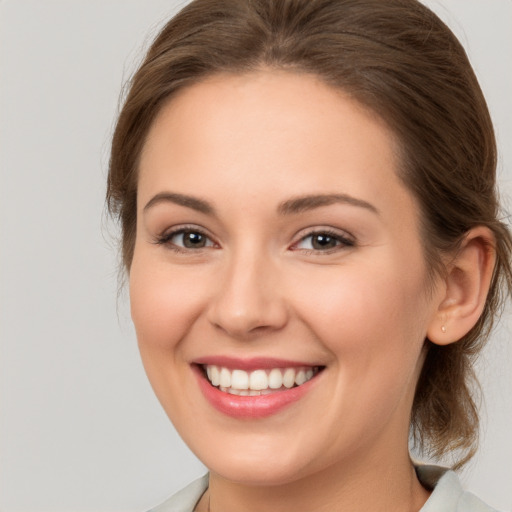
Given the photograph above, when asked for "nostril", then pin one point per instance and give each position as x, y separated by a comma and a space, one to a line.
242, 325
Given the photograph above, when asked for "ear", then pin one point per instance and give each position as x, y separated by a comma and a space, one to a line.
465, 288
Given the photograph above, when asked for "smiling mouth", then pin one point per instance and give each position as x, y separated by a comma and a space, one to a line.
258, 382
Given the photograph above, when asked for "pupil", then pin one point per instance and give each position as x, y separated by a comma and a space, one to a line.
193, 240
323, 242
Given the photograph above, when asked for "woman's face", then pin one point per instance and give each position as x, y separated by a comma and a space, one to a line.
276, 244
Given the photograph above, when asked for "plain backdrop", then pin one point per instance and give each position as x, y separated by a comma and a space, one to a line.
80, 429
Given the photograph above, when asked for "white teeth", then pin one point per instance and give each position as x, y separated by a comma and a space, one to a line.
225, 378
240, 379
258, 382
300, 378
214, 375
289, 378
275, 378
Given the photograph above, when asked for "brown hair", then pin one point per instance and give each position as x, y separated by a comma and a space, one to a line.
397, 58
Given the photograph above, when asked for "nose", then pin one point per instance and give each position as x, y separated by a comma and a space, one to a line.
249, 299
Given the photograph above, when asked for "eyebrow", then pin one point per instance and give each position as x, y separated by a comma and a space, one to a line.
182, 200
305, 203
292, 206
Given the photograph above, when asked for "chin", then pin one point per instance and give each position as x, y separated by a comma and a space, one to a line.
256, 473
255, 461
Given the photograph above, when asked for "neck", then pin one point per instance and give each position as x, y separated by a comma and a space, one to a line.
356, 487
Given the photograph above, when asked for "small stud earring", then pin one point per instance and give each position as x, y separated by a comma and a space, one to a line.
443, 328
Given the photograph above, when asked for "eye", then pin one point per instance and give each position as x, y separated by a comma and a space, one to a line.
323, 241
190, 240
185, 239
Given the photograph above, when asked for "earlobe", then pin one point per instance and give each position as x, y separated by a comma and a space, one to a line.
466, 286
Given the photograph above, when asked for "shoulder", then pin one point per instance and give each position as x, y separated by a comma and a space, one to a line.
447, 492
186, 499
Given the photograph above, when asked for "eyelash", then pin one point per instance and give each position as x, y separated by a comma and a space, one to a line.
342, 241
165, 238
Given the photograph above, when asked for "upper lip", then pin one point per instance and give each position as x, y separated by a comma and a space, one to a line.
252, 363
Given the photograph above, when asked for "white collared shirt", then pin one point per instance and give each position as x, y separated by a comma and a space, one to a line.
447, 494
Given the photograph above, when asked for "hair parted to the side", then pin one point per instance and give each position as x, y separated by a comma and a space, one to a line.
400, 61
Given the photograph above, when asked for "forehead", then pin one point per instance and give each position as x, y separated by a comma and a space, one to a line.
266, 132
266, 102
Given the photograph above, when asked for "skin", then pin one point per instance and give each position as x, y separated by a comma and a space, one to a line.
247, 144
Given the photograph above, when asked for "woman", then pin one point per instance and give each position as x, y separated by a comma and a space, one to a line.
307, 196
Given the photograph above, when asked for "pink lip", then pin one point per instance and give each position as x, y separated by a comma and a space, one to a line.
251, 407
254, 363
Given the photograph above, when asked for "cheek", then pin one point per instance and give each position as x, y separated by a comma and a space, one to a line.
366, 309
164, 303
372, 322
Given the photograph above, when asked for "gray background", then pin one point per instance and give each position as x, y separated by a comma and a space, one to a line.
80, 429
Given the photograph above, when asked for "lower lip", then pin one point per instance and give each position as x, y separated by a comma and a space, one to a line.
249, 407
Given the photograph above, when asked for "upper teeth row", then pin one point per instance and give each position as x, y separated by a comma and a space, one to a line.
259, 379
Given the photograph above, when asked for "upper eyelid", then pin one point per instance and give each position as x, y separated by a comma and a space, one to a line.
316, 230
180, 228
